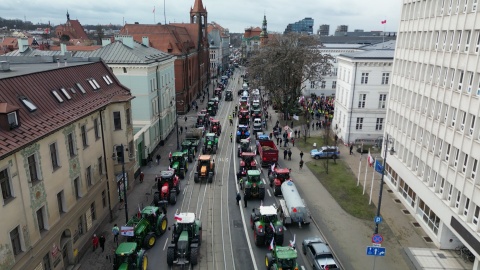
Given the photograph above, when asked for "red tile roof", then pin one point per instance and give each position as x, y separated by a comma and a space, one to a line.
198, 7
6, 108
72, 28
51, 115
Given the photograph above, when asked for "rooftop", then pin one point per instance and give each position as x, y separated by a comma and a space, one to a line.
185, 217
372, 54
268, 210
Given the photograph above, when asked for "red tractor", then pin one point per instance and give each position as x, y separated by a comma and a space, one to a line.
247, 162
244, 117
215, 127
277, 177
168, 186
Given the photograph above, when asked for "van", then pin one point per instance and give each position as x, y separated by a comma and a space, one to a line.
257, 124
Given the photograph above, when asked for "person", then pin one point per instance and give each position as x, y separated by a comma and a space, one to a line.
241, 183
293, 142
233, 114
301, 155
102, 242
181, 130
231, 137
185, 119
295, 132
301, 164
115, 232
95, 242
278, 139
142, 175
245, 201
170, 157
196, 107
230, 118
351, 149
280, 142
285, 153
238, 198
158, 159
289, 154
336, 138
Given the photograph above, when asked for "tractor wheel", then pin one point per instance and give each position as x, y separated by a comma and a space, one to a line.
195, 178
214, 150
177, 188
200, 236
156, 198
186, 167
144, 262
149, 240
162, 225
279, 239
173, 198
252, 224
259, 239
182, 174
261, 193
170, 255
210, 177
194, 255
269, 261
277, 191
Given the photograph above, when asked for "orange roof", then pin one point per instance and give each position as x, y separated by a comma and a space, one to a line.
213, 25
198, 7
72, 28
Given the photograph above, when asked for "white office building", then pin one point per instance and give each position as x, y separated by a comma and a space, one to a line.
433, 120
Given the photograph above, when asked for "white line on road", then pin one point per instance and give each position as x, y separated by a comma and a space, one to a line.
303, 268
268, 191
164, 246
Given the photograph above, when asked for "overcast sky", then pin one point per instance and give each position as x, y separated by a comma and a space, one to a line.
235, 15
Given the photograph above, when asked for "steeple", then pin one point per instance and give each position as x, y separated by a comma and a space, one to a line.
198, 7
264, 33
68, 16
198, 16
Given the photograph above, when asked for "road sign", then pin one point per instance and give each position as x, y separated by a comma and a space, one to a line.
378, 219
377, 238
376, 251
376, 245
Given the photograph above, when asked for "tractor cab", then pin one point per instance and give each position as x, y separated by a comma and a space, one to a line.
188, 148
127, 257
215, 126
218, 92
282, 258
201, 117
179, 164
215, 102
257, 113
228, 96
211, 108
277, 177
244, 146
168, 186
243, 117
242, 133
248, 161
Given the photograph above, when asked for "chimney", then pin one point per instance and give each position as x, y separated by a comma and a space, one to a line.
63, 48
22, 44
145, 41
106, 41
126, 40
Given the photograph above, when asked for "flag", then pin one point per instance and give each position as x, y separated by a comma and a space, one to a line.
271, 244
153, 9
378, 166
271, 226
384, 21
370, 159
178, 217
292, 243
139, 214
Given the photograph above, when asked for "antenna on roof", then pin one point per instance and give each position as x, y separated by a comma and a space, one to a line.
164, 14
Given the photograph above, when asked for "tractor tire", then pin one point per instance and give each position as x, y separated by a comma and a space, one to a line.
261, 193
269, 261
182, 174
190, 159
214, 150
195, 178
193, 256
156, 199
279, 240
252, 224
149, 240
177, 188
259, 239
144, 263
162, 225
277, 191
170, 255
200, 237
173, 198
210, 177
247, 194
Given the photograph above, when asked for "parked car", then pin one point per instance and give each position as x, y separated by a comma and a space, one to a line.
318, 254
325, 152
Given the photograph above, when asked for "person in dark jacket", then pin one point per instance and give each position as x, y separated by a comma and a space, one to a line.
289, 154
285, 153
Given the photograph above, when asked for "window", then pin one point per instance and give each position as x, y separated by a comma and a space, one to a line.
472, 124
88, 176
364, 79
474, 5
382, 101
442, 184
76, 184
54, 155
32, 168
312, 84
83, 130
334, 84
65, 93
15, 238
322, 85
93, 212
459, 40
361, 100
100, 165
385, 77
104, 198
60, 202
463, 117
379, 124
457, 201
450, 191
457, 157
117, 121
71, 145
454, 117
96, 128
474, 169
470, 82
127, 114
41, 219
12, 120
447, 152
475, 215
30, 106
467, 40
359, 125
57, 96
465, 162
46, 262
452, 78
5, 186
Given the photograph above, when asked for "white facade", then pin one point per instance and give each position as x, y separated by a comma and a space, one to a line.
433, 119
361, 97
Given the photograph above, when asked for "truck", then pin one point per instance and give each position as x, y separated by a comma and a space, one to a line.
268, 152
292, 207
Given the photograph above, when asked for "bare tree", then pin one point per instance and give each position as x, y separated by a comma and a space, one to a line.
284, 64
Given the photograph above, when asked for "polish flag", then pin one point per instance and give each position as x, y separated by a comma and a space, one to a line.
271, 226
271, 244
139, 214
384, 21
292, 243
370, 159
178, 217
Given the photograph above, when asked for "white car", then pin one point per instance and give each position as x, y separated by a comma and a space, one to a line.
257, 124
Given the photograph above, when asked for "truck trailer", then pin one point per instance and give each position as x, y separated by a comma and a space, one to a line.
292, 207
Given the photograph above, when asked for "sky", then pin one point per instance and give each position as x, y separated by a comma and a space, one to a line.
234, 15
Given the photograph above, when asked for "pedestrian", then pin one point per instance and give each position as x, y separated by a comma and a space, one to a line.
285, 153
170, 157
142, 175
301, 164
280, 142
158, 159
238, 198
115, 232
301, 155
291, 124
185, 119
293, 142
336, 139
102, 242
95, 242
245, 201
196, 107
295, 132
289, 154
231, 137
351, 149
278, 139
181, 130
185, 129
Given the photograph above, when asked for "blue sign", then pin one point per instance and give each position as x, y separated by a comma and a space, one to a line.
378, 219
376, 251
378, 166
377, 239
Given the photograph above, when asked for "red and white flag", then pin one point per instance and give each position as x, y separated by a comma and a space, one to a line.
139, 214
384, 21
271, 244
178, 217
271, 226
292, 243
370, 159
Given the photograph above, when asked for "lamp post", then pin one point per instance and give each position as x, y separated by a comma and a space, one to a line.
124, 180
380, 193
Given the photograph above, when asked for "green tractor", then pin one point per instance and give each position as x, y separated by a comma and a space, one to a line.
127, 257
282, 258
189, 149
266, 226
179, 164
210, 145
186, 240
147, 225
211, 109
254, 186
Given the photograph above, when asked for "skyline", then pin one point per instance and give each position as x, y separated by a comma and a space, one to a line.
236, 16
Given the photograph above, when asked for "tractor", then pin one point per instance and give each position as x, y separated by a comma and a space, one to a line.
189, 149
127, 257
243, 117
146, 226
205, 169
215, 127
186, 240
179, 164
247, 162
282, 258
253, 185
168, 186
218, 92
277, 177
200, 119
265, 225
244, 146
228, 95
211, 108
210, 143
242, 133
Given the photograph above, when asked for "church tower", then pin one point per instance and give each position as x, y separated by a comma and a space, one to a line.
264, 33
198, 15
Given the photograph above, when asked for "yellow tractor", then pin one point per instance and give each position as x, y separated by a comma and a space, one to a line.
205, 169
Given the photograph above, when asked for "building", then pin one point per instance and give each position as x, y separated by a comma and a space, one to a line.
62, 131
72, 28
219, 46
254, 38
342, 29
188, 42
433, 123
361, 97
323, 30
304, 26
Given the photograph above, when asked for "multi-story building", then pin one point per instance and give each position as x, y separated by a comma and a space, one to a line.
219, 46
323, 30
64, 132
433, 120
304, 26
341, 29
254, 38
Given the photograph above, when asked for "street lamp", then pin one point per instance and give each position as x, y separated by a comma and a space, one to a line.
392, 151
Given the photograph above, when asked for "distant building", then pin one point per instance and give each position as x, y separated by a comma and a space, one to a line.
71, 28
342, 28
364, 38
304, 26
219, 46
253, 38
323, 30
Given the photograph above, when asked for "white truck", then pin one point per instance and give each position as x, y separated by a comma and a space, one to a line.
292, 207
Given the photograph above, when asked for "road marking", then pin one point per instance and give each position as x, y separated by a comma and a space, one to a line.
263, 180
303, 268
164, 246
268, 191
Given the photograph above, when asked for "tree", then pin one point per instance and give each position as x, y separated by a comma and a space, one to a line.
284, 64
65, 38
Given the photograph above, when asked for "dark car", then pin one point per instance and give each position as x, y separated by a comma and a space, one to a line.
318, 253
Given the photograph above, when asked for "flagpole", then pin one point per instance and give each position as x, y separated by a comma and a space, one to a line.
359, 169
154, 21
365, 181
371, 187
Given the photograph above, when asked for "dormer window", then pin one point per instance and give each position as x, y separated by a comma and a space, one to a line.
93, 83
12, 120
66, 94
30, 106
80, 87
57, 96
107, 79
